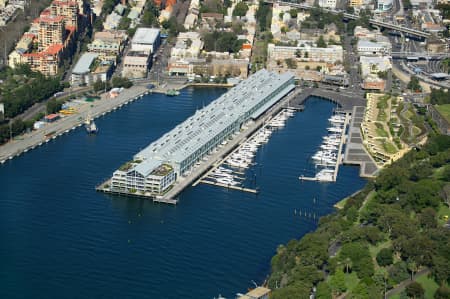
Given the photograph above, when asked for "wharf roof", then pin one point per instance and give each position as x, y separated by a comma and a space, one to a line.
207, 123
145, 36
84, 63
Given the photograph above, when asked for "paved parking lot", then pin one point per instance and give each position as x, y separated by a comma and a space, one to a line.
355, 153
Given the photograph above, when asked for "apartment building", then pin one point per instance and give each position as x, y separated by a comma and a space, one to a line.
327, 3
331, 54
54, 33
51, 31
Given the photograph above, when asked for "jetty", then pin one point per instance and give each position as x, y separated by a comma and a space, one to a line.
339, 159
228, 186
219, 156
68, 123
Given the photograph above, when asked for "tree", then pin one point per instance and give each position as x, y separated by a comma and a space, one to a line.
240, 9
291, 63
427, 218
306, 55
54, 105
293, 12
99, 85
321, 42
412, 267
442, 292
360, 292
337, 282
323, 290
298, 53
384, 257
264, 15
415, 290
121, 82
222, 42
414, 84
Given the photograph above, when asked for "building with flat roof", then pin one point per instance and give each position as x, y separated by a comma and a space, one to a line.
331, 54
146, 40
368, 48
200, 134
80, 73
136, 64
374, 64
384, 5
327, 3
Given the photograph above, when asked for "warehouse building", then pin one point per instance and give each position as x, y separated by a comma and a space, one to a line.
146, 40
180, 149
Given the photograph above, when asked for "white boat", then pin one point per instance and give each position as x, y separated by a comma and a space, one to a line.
324, 176
90, 125
335, 129
327, 146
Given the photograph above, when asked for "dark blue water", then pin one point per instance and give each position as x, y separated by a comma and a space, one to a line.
61, 239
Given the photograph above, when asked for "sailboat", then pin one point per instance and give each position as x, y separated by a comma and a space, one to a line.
90, 126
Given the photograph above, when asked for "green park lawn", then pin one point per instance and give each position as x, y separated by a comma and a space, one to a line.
429, 285
389, 147
444, 110
375, 249
444, 210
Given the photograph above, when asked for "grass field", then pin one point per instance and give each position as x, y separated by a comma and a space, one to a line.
444, 110
429, 285
443, 211
389, 147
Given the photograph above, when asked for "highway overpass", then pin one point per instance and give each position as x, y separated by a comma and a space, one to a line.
374, 22
421, 55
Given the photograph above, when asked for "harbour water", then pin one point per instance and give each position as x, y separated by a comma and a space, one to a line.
61, 239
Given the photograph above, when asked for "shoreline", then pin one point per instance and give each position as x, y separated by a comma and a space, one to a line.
36, 138
29, 141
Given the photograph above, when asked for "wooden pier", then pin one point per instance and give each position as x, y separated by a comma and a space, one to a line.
239, 188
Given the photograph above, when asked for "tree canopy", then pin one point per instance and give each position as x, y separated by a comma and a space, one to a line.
222, 42
398, 211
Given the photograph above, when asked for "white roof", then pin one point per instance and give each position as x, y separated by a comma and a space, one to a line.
369, 44
145, 36
84, 63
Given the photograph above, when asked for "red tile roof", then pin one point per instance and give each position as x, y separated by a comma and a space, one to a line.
51, 19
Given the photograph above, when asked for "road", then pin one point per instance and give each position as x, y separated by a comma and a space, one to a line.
41, 106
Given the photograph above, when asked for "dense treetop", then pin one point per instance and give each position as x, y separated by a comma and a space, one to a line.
385, 234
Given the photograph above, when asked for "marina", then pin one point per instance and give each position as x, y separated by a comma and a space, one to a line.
226, 172
167, 166
130, 230
329, 157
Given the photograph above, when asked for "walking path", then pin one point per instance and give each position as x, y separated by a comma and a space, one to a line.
402, 285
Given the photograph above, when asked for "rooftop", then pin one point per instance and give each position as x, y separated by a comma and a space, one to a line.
205, 124
84, 63
145, 35
51, 19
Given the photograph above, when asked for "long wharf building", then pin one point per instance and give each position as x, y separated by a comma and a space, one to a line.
156, 168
